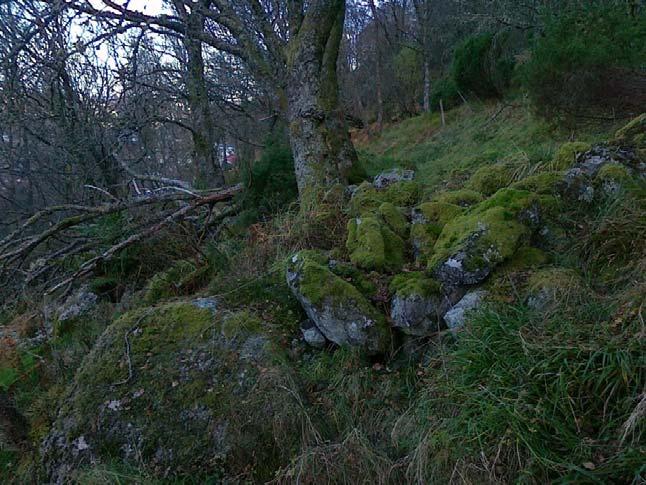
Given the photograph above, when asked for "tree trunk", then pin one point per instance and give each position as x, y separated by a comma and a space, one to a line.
380, 101
205, 156
322, 149
427, 86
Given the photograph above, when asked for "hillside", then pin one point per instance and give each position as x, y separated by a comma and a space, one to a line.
472, 313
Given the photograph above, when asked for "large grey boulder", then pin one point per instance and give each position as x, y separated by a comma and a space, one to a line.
342, 314
456, 317
175, 388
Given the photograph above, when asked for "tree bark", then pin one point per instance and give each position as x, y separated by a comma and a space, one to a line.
322, 149
205, 156
427, 86
380, 101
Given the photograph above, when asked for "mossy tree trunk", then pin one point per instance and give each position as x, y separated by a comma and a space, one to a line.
207, 166
322, 149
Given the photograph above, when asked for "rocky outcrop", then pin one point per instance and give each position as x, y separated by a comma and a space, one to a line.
342, 314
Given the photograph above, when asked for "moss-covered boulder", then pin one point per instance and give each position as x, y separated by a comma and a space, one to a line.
545, 183
472, 245
490, 178
462, 198
612, 177
567, 154
428, 220
417, 304
177, 389
394, 217
580, 182
373, 245
366, 199
342, 314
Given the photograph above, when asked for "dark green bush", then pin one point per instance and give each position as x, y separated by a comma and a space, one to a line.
446, 90
482, 66
586, 60
271, 182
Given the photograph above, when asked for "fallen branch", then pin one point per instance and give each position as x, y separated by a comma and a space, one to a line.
91, 264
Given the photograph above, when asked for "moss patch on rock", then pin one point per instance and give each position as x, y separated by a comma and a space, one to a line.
490, 178
567, 153
335, 306
462, 198
634, 133
394, 218
541, 183
173, 388
373, 246
415, 283
367, 199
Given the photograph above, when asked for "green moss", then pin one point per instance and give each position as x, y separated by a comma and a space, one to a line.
567, 153
241, 322
490, 178
527, 257
168, 283
366, 199
423, 237
403, 194
357, 278
463, 198
394, 218
634, 133
373, 246
414, 283
440, 213
321, 286
614, 172
541, 183
175, 374
512, 200
499, 237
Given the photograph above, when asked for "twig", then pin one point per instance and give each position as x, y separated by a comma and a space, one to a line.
129, 360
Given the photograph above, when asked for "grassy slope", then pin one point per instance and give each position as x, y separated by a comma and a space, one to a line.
474, 135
